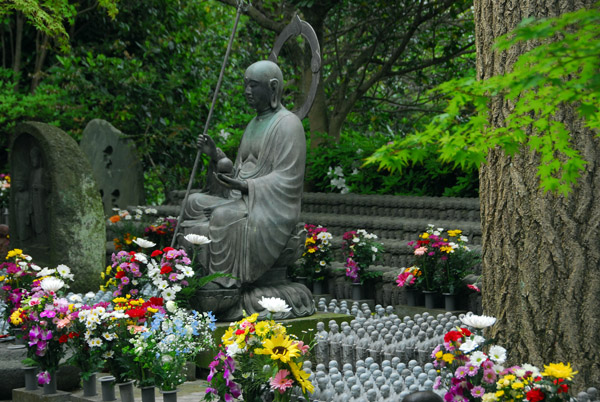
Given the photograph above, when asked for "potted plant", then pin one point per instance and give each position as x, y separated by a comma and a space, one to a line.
444, 260
409, 279
360, 249
316, 257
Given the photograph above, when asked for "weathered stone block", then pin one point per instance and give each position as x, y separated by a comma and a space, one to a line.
58, 216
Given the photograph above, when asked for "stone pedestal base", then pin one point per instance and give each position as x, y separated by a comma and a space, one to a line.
22, 395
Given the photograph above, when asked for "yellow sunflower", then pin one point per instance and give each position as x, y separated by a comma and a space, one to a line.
559, 370
280, 348
301, 377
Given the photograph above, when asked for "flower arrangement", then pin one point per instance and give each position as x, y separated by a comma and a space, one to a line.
4, 190
128, 226
46, 316
471, 369
257, 356
443, 258
161, 348
360, 249
317, 253
165, 272
409, 276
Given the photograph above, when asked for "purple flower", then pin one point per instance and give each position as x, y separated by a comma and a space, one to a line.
461, 372
48, 314
477, 391
489, 376
43, 377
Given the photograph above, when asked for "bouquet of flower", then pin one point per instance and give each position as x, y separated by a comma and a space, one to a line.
118, 326
164, 273
360, 250
443, 258
317, 253
257, 356
471, 370
161, 348
87, 326
161, 230
47, 319
4, 190
128, 226
409, 276
17, 276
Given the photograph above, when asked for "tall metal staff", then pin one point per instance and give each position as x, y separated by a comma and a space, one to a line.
241, 6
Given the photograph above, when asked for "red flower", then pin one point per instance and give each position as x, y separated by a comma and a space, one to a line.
63, 338
535, 395
155, 253
240, 332
465, 332
156, 301
120, 274
165, 269
136, 312
452, 336
73, 335
167, 249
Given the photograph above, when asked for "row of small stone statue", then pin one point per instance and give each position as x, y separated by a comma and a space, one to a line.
381, 335
393, 380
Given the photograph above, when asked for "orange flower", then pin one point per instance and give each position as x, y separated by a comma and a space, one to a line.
114, 218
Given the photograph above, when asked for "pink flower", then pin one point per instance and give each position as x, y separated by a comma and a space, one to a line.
280, 382
302, 347
477, 391
63, 323
473, 287
43, 377
420, 250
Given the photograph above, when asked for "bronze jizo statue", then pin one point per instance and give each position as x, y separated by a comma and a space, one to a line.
250, 209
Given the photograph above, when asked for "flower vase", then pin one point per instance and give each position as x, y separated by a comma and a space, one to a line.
357, 291
50, 388
30, 379
89, 385
318, 287
411, 297
126, 391
19, 335
429, 298
169, 396
148, 393
449, 301
107, 384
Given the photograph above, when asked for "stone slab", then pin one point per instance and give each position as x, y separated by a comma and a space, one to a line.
22, 395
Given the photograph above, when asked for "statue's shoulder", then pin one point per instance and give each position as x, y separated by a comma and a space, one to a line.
288, 118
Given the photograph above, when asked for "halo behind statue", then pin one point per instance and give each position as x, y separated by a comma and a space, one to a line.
294, 28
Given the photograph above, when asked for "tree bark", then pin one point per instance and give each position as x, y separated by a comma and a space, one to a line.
541, 272
18, 42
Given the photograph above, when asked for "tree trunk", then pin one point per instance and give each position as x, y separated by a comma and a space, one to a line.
541, 256
41, 52
18, 42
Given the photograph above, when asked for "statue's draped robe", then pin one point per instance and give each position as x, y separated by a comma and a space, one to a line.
248, 232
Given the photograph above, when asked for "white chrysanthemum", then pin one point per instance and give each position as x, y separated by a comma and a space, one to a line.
274, 304
374, 249
171, 306
535, 372
478, 321
498, 354
35, 267
468, 346
197, 239
478, 339
322, 263
75, 299
168, 294
151, 211
90, 295
52, 284
45, 272
162, 285
108, 354
233, 349
64, 271
143, 243
141, 257
477, 358
187, 271
95, 342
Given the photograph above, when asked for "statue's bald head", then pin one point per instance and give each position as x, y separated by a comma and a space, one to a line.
268, 73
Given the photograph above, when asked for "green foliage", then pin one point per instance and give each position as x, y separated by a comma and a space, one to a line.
560, 71
431, 178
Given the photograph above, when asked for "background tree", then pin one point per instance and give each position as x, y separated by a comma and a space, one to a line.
540, 260
374, 53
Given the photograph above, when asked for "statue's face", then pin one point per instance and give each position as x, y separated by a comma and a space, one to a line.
257, 91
